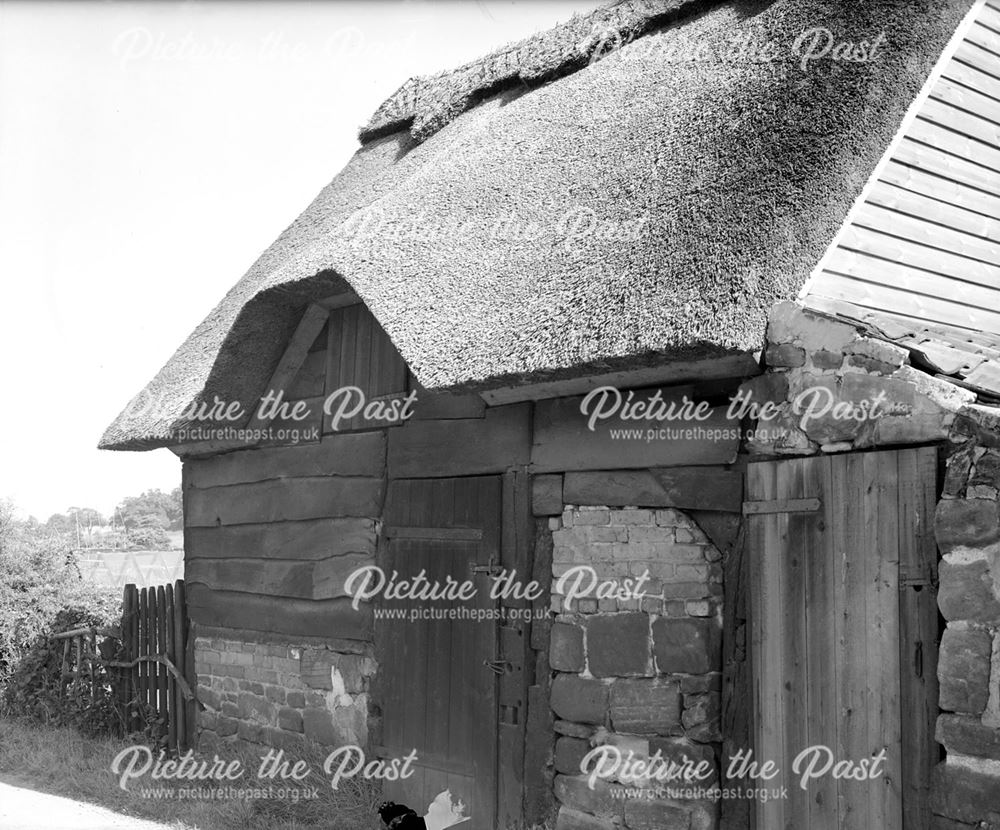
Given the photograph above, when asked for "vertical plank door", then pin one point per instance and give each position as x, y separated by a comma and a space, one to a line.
843, 633
438, 695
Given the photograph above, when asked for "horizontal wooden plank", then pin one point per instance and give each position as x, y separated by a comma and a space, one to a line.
940, 138
940, 187
284, 500
333, 618
966, 123
982, 279
946, 165
927, 233
563, 441
938, 287
984, 38
311, 539
963, 73
211, 440
469, 446
390, 406
758, 508
457, 534
703, 488
964, 98
320, 579
902, 302
895, 198
668, 372
974, 55
989, 15
446, 406
335, 455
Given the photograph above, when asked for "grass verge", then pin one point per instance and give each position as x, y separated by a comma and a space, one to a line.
62, 762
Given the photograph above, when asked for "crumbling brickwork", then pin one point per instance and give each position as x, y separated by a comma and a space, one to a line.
277, 695
641, 674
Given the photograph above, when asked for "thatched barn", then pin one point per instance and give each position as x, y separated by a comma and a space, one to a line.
684, 313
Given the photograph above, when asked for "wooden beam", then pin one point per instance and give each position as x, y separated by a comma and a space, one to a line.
339, 300
754, 508
284, 500
469, 446
361, 454
313, 319
742, 365
563, 440
278, 615
304, 540
445, 406
688, 488
320, 579
454, 534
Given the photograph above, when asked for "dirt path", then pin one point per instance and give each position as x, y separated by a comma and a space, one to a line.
25, 809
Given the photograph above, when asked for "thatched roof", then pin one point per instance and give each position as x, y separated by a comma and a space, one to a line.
710, 164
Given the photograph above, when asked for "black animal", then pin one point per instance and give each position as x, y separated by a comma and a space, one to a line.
399, 817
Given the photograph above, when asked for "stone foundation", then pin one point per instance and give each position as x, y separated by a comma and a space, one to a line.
278, 695
641, 675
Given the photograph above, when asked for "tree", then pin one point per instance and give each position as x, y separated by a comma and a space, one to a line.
164, 508
86, 517
60, 523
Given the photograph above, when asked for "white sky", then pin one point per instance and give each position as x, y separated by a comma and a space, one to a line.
148, 153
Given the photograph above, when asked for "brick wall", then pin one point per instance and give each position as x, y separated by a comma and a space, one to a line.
279, 694
641, 674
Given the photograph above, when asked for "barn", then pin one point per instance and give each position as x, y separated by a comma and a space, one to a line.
631, 397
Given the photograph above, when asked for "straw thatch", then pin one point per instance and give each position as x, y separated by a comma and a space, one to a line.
710, 165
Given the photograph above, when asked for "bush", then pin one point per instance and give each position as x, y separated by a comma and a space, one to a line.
42, 593
34, 690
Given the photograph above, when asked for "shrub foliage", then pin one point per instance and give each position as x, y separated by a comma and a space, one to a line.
42, 593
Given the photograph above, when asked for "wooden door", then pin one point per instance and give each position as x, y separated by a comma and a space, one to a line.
843, 633
439, 696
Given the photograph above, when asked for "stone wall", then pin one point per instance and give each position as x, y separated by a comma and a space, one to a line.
967, 526
819, 367
640, 674
276, 694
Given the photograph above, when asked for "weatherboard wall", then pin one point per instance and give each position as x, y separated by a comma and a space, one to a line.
273, 531
924, 242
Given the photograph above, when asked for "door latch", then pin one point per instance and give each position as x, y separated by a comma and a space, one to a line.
498, 666
492, 569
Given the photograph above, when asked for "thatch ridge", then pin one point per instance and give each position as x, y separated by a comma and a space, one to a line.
424, 104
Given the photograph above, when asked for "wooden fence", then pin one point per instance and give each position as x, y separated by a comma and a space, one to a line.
152, 661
